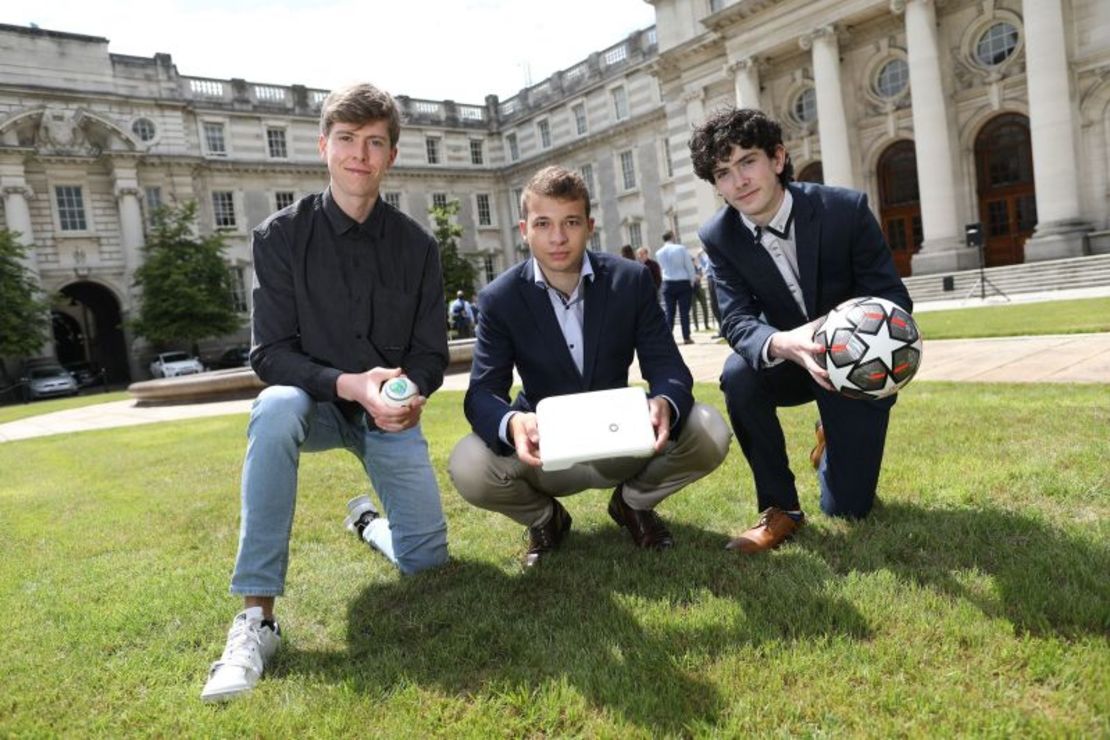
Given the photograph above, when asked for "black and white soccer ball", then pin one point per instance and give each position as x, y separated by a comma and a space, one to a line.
872, 347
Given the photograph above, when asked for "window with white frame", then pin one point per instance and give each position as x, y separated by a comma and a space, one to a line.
595, 239
214, 141
485, 215
393, 198
518, 193
223, 209
431, 146
153, 197
996, 44
275, 143
587, 172
477, 153
620, 102
580, 124
144, 129
635, 235
439, 200
238, 288
71, 208
628, 170
668, 163
284, 198
514, 148
489, 267
544, 129
804, 106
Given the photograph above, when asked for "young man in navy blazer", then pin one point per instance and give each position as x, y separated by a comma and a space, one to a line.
784, 254
570, 321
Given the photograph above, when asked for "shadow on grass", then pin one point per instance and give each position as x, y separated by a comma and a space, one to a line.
1044, 581
599, 616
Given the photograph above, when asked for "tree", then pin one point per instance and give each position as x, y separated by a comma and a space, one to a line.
187, 290
459, 273
24, 310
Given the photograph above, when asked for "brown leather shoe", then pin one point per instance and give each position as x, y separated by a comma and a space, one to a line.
775, 526
545, 538
647, 529
819, 448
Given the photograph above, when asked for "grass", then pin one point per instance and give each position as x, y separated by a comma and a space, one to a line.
974, 601
87, 398
1017, 319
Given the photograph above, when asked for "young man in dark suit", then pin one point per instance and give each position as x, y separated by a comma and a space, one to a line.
570, 321
784, 254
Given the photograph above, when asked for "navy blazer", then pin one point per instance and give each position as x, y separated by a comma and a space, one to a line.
517, 327
841, 254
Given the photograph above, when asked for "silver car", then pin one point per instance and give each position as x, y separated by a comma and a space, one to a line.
46, 381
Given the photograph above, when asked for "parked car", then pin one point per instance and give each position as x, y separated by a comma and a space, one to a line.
238, 356
174, 364
85, 373
46, 381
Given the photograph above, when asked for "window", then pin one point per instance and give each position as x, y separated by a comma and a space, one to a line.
716, 5
223, 209
893, 78
214, 141
476, 153
635, 235
284, 198
489, 267
587, 173
153, 202
579, 111
431, 146
668, 164
628, 170
238, 289
620, 103
595, 240
996, 44
393, 198
71, 208
518, 193
275, 141
485, 216
514, 149
439, 200
805, 106
144, 129
544, 128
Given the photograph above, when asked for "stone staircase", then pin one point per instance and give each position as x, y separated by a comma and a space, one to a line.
1075, 272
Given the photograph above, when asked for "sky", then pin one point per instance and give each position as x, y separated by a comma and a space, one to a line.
435, 49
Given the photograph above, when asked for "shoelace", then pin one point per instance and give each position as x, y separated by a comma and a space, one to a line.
242, 636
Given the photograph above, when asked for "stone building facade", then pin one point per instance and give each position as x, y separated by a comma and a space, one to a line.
945, 113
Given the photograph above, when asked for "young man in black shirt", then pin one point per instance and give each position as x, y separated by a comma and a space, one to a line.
348, 295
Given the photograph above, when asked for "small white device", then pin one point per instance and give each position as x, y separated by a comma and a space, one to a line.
581, 427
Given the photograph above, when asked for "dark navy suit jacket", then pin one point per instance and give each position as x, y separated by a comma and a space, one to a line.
841, 255
517, 326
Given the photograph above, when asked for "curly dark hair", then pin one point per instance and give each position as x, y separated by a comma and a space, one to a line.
745, 127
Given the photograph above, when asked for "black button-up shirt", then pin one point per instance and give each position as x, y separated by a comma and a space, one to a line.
335, 296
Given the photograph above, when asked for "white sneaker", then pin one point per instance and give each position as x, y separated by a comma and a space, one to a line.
360, 512
249, 645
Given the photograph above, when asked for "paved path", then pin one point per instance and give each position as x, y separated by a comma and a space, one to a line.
1072, 358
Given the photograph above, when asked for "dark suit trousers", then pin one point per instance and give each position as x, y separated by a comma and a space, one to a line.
680, 292
855, 432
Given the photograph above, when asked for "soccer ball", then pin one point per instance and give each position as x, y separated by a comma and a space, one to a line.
872, 347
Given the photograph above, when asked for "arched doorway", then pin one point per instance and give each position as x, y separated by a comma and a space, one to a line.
1007, 198
88, 327
812, 172
900, 203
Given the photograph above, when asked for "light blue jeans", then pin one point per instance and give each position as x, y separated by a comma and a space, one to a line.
286, 421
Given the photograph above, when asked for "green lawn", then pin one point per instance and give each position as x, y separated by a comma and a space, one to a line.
1017, 319
974, 601
35, 408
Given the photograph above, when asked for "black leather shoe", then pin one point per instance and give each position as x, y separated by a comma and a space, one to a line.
547, 537
647, 529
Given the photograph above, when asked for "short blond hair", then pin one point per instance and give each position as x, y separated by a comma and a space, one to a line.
555, 182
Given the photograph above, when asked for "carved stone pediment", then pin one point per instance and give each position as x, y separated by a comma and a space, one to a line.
60, 134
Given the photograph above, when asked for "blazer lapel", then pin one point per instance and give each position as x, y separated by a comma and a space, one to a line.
807, 239
538, 304
596, 293
762, 273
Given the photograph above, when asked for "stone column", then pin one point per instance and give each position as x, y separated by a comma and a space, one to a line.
1052, 126
944, 249
705, 199
130, 225
832, 121
745, 74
